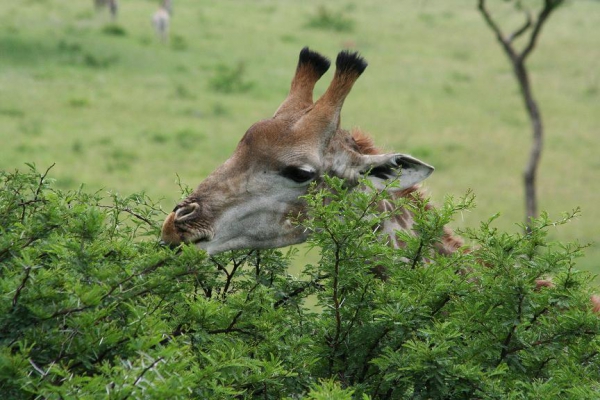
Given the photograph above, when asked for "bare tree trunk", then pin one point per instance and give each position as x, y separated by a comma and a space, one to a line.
530, 172
517, 60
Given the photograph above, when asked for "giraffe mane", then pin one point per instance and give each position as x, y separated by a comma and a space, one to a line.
364, 142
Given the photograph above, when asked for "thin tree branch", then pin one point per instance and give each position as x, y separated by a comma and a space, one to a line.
42, 178
358, 308
230, 275
549, 6
141, 375
505, 349
148, 368
418, 255
21, 286
131, 212
37, 192
337, 304
368, 357
506, 44
300, 290
29, 241
523, 29
230, 328
100, 356
110, 292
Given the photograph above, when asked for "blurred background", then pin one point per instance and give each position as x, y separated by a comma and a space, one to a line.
128, 99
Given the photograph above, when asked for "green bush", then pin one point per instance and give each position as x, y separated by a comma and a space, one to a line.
93, 307
330, 20
229, 79
179, 43
114, 30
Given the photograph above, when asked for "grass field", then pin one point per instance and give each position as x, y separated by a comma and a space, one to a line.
118, 110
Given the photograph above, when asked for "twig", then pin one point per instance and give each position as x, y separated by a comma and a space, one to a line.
141, 375
148, 368
129, 211
257, 265
36, 193
418, 255
21, 286
144, 271
496, 29
521, 30
300, 290
230, 328
361, 303
549, 6
111, 291
367, 360
230, 275
42, 177
505, 350
337, 305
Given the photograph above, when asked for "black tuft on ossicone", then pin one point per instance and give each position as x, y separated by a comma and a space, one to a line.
347, 61
319, 63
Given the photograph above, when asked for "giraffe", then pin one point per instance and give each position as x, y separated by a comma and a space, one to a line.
250, 200
161, 20
168, 5
111, 4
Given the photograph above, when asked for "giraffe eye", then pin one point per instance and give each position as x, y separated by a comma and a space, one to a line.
298, 174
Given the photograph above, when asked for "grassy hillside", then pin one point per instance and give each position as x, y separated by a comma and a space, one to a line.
117, 110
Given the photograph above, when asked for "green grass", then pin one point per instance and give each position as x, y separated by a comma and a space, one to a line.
116, 109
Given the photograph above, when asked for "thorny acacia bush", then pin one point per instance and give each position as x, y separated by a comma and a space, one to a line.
93, 307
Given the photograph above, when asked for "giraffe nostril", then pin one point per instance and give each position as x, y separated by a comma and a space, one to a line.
186, 212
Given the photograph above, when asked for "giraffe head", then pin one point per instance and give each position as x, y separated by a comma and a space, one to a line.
251, 199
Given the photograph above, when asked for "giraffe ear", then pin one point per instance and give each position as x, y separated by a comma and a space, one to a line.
382, 168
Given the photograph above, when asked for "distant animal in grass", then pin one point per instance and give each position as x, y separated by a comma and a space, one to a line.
162, 19
168, 5
112, 6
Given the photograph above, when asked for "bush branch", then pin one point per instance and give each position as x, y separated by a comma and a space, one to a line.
21, 287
